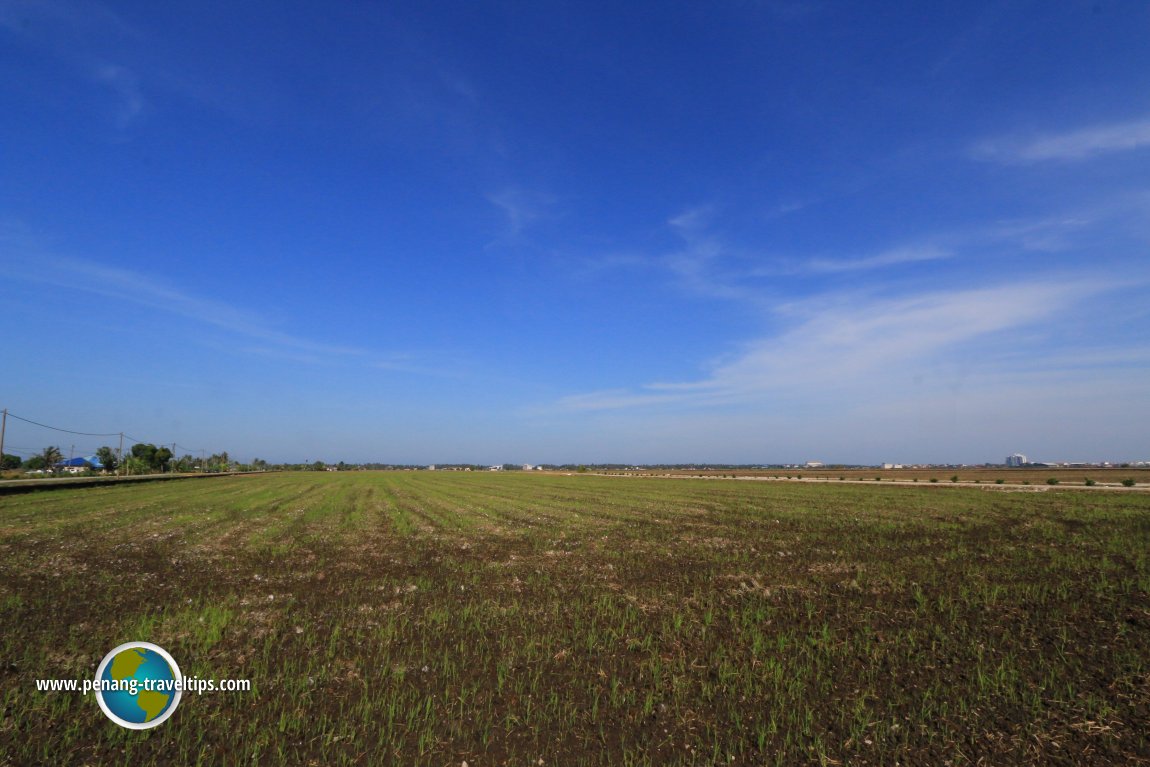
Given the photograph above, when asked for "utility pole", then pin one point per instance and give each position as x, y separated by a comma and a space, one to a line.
120, 455
3, 428
173, 453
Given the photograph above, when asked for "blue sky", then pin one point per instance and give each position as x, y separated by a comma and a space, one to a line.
559, 232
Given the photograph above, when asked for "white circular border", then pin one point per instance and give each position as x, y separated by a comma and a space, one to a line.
176, 675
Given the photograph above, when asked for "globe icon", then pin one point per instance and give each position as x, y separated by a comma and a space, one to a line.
138, 685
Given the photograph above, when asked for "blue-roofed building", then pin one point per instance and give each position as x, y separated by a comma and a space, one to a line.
76, 465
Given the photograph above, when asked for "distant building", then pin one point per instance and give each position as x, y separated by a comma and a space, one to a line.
1016, 460
77, 465
815, 464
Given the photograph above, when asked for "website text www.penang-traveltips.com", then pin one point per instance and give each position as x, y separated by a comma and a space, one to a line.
135, 686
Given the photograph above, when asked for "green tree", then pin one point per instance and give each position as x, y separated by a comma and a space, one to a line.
35, 463
51, 456
10, 462
108, 458
144, 453
151, 457
219, 462
185, 464
135, 465
161, 458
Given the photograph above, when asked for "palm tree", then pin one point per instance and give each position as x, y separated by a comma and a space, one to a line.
51, 456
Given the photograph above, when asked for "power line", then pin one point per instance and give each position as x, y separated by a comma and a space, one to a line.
121, 435
66, 431
79, 449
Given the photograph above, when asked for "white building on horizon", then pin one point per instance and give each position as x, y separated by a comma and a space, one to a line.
1016, 460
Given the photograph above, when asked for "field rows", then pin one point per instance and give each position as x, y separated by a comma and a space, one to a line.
432, 618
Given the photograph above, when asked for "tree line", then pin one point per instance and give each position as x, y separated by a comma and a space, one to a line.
142, 458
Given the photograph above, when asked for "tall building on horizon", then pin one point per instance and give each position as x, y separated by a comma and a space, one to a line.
1016, 460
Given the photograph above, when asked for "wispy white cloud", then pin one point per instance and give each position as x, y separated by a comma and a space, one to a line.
520, 208
895, 257
139, 289
1069, 145
697, 265
32, 258
785, 209
707, 265
692, 223
618, 399
610, 262
90, 38
1048, 234
126, 85
857, 343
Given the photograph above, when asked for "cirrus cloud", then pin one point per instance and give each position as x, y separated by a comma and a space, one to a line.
1076, 144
